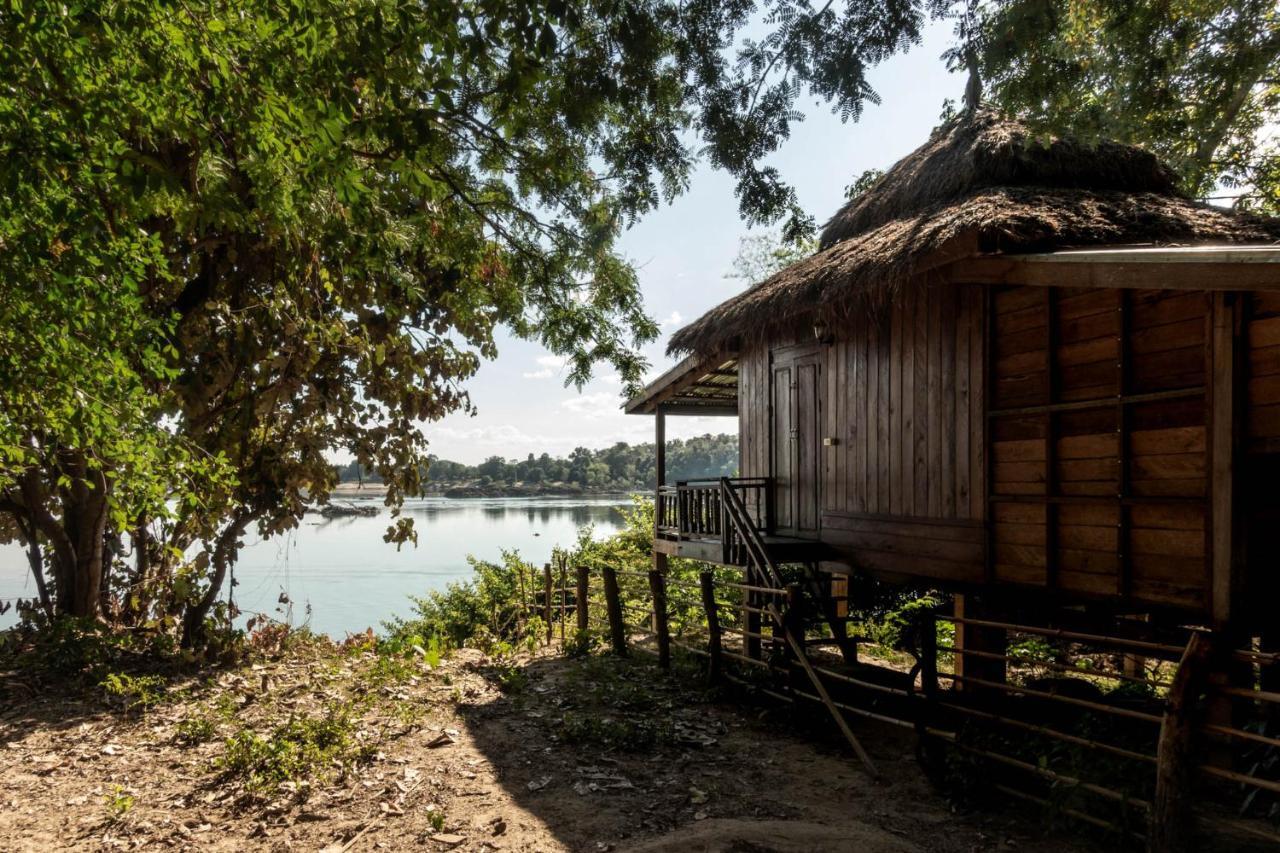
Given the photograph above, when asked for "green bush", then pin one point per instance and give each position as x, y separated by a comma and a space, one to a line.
134, 691
489, 603
302, 748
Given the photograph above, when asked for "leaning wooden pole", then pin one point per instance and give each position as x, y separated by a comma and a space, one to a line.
1172, 814
613, 604
797, 648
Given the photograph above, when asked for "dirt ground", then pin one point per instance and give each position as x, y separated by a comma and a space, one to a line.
543, 754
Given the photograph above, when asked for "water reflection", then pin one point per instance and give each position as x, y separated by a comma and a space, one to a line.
351, 579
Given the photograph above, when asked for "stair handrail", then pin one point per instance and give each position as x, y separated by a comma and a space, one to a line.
758, 554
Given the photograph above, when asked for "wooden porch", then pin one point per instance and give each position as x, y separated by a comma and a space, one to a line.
691, 521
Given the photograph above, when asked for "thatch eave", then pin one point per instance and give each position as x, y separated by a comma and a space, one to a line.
863, 271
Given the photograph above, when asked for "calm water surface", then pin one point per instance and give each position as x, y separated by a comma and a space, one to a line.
351, 579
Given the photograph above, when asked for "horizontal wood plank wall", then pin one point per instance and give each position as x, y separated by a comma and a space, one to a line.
903, 488
1099, 442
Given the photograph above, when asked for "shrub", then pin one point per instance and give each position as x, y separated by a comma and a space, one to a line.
194, 729
302, 748
134, 691
488, 604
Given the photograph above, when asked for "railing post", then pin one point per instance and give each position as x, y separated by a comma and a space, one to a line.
726, 546
546, 602
1172, 827
707, 581
658, 586
580, 605
613, 605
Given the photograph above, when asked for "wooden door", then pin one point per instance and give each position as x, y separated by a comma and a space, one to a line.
796, 407
782, 463
808, 438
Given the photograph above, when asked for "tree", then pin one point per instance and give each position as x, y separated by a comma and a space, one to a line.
1197, 82
761, 255
237, 236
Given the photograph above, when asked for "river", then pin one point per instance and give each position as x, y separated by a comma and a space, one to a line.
339, 576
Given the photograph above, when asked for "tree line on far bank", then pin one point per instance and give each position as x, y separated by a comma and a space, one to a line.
621, 466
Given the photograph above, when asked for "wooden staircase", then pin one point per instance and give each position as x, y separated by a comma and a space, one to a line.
785, 606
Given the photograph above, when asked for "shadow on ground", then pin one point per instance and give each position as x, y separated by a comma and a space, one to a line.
614, 754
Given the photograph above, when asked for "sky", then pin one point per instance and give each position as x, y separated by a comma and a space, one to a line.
682, 252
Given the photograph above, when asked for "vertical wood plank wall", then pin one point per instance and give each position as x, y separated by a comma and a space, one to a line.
903, 481
1094, 408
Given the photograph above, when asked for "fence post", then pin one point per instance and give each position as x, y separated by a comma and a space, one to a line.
751, 616
658, 586
563, 595
929, 656
1172, 827
580, 604
546, 602
614, 606
708, 582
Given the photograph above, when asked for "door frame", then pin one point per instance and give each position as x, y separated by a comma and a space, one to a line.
793, 356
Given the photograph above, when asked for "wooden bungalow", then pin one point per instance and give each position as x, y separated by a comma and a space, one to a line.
1015, 363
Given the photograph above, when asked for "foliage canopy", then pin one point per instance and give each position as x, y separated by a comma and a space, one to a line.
235, 236
1197, 82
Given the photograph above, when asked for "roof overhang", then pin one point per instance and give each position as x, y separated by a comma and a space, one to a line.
697, 385
1213, 267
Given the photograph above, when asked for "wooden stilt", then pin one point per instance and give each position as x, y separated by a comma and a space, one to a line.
1172, 816
707, 582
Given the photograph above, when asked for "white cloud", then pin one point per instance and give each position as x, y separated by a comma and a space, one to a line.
599, 405
674, 320
548, 365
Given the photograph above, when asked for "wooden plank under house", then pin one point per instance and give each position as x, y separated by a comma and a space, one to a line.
1029, 373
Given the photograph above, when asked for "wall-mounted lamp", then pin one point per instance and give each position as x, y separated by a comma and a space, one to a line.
821, 333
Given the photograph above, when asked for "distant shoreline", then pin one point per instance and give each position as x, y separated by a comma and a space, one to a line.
377, 490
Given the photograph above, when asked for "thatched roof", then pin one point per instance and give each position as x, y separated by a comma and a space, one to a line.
987, 184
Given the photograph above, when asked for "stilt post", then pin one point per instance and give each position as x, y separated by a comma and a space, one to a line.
1172, 817
708, 583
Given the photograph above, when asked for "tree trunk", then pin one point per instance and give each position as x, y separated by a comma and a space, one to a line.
224, 553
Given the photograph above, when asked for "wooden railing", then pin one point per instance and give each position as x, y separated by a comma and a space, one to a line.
694, 509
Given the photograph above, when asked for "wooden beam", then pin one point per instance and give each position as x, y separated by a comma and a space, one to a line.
670, 384
1226, 396
1057, 271
660, 444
